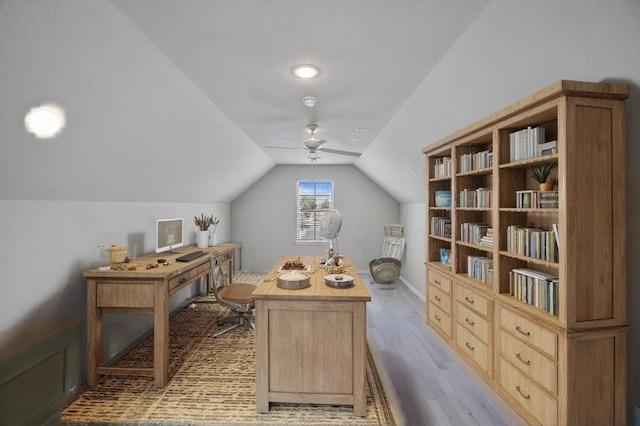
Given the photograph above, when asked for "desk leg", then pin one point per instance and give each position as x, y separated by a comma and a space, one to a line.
262, 356
359, 359
161, 334
94, 334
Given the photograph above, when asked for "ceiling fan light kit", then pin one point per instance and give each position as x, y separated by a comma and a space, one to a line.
313, 146
309, 101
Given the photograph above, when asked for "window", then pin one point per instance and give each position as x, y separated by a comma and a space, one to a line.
314, 198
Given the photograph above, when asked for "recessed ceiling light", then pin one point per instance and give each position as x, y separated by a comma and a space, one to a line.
45, 121
305, 71
309, 101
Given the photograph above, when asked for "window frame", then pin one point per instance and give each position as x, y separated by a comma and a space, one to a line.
317, 220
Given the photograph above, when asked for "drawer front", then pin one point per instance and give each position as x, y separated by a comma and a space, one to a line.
473, 322
183, 278
438, 280
440, 319
541, 406
529, 332
440, 299
473, 300
473, 347
526, 359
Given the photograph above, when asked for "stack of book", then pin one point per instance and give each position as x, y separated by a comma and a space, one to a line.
476, 161
547, 148
535, 288
524, 143
473, 232
532, 242
529, 199
442, 167
441, 226
547, 200
479, 197
480, 268
487, 239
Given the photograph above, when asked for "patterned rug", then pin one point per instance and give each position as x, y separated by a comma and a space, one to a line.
212, 382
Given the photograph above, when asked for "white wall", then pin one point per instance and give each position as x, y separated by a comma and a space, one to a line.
413, 272
264, 216
47, 244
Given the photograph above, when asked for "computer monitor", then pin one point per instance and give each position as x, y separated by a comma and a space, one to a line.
169, 234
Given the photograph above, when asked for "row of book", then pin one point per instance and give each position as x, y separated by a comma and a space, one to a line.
528, 199
524, 143
533, 242
472, 232
535, 288
480, 197
441, 226
476, 161
442, 167
480, 268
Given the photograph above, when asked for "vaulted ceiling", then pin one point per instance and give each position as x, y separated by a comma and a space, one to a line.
170, 100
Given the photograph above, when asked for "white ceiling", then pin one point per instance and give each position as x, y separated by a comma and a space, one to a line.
159, 89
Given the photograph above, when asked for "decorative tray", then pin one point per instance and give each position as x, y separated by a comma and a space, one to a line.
338, 280
293, 280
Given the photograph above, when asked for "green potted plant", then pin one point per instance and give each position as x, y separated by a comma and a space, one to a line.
541, 175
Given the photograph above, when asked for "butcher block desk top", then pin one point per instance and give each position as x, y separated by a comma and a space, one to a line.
318, 290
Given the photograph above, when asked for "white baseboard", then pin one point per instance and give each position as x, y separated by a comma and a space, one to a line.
413, 289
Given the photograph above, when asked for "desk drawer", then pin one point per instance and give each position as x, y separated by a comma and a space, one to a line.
440, 319
473, 347
440, 299
187, 276
473, 322
531, 362
473, 300
440, 281
525, 392
529, 332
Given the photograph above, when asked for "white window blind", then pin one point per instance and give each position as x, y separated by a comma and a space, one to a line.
314, 198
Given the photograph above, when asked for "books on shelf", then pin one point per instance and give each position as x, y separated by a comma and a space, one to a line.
487, 239
547, 148
524, 143
480, 268
473, 232
530, 199
535, 288
532, 242
479, 197
556, 234
442, 167
441, 226
476, 161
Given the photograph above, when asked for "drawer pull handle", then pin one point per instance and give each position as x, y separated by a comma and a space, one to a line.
183, 280
527, 362
468, 300
468, 321
519, 330
469, 346
437, 298
437, 317
437, 282
523, 395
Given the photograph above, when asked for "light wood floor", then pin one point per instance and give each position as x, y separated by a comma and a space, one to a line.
434, 386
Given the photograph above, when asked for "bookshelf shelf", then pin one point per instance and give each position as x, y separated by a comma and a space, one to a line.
538, 281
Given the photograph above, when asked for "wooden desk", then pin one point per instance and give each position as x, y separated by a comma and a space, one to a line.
143, 291
311, 343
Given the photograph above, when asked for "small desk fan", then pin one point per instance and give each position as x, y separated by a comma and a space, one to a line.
331, 224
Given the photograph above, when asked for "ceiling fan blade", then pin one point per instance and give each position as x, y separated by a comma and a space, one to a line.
284, 147
339, 151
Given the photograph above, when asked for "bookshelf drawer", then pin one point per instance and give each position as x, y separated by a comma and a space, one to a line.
473, 300
440, 319
440, 299
473, 322
531, 362
473, 347
440, 281
529, 332
526, 393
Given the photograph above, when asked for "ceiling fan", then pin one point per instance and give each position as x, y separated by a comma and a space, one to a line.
313, 145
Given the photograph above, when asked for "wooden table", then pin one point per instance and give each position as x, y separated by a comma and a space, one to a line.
143, 291
311, 343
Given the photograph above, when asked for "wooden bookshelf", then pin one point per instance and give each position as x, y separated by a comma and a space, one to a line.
551, 326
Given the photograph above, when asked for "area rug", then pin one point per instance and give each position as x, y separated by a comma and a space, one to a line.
212, 382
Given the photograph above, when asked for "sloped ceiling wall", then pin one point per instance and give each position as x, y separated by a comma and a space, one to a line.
137, 129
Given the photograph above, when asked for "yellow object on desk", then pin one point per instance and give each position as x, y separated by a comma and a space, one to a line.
117, 254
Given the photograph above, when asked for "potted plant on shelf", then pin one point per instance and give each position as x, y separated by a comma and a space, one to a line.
541, 175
